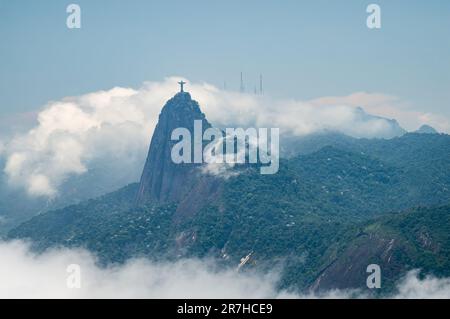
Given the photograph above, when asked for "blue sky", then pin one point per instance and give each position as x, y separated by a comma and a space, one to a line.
304, 49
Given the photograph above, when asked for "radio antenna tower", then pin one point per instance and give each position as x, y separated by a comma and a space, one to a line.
242, 84
260, 84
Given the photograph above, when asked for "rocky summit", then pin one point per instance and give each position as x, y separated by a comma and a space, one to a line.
164, 181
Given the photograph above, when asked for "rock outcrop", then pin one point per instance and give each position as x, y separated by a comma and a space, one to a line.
163, 180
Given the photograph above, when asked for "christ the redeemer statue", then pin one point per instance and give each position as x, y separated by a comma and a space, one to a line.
182, 83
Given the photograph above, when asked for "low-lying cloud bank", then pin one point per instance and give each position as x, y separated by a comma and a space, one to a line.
116, 126
24, 274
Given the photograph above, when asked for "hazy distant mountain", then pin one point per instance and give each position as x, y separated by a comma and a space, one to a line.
16, 206
392, 129
292, 145
426, 129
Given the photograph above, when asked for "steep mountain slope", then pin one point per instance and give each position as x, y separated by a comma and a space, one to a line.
163, 180
416, 239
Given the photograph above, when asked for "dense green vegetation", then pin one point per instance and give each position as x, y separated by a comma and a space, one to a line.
324, 212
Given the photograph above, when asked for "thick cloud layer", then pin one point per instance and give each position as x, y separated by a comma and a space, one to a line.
115, 126
23, 274
411, 287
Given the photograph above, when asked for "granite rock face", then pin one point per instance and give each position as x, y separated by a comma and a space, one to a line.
163, 180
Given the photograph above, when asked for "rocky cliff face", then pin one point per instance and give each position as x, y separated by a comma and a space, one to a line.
163, 180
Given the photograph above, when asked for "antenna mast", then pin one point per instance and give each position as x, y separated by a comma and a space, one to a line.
260, 84
242, 84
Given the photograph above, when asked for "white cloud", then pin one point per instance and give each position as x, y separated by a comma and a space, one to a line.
290, 116
115, 126
222, 163
71, 133
411, 287
40, 185
24, 274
